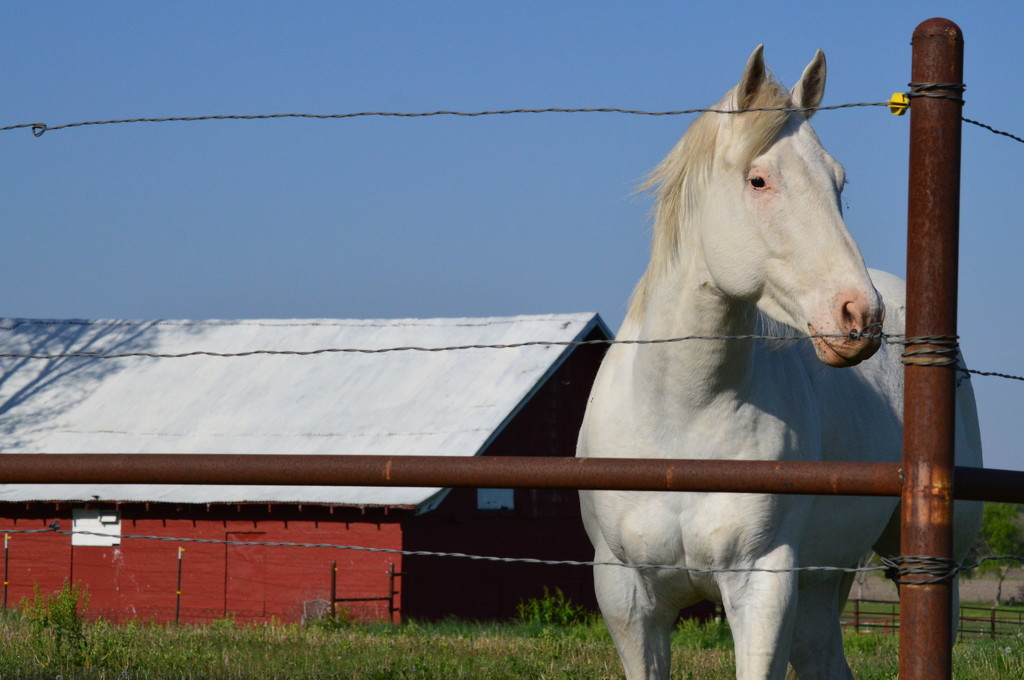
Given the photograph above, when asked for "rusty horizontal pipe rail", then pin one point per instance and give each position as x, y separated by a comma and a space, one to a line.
741, 476
982, 484
789, 477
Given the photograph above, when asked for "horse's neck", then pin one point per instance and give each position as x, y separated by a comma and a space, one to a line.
694, 373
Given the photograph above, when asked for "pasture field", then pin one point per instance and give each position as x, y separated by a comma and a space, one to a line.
412, 651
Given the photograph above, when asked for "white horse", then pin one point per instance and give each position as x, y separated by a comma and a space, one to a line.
748, 236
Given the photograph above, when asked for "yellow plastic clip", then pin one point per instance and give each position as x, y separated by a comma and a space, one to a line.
899, 103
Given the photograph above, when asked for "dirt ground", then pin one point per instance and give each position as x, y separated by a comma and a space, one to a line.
980, 589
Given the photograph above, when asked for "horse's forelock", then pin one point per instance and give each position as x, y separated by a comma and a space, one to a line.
760, 129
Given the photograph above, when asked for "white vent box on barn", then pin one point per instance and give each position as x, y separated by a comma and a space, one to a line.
95, 527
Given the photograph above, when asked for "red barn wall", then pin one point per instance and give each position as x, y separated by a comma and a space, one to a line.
138, 578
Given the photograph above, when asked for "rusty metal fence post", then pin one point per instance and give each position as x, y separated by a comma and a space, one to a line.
929, 398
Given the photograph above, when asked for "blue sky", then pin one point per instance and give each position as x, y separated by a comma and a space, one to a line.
387, 217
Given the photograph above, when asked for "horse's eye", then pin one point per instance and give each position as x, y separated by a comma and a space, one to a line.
757, 182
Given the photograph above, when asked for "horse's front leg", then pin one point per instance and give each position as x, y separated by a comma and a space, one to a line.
639, 622
761, 608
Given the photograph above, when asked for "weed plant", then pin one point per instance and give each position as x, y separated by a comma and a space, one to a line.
553, 609
55, 625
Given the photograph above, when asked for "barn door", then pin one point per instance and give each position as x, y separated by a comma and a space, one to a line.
245, 584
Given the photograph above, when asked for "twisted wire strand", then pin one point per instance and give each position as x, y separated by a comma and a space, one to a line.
940, 568
917, 90
38, 129
942, 350
947, 357
929, 90
992, 129
413, 348
992, 374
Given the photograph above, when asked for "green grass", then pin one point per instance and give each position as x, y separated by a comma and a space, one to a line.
450, 650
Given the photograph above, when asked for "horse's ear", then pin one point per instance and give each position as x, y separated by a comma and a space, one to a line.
808, 92
753, 77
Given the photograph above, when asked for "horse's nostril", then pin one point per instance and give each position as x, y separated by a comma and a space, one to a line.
855, 315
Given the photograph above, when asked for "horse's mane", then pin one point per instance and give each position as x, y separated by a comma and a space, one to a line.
678, 181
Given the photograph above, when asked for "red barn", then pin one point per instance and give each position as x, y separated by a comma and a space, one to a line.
130, 544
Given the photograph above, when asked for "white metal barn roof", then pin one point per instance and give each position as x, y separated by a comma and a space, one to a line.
393, 403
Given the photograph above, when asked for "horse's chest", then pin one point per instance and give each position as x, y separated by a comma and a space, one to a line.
696, 529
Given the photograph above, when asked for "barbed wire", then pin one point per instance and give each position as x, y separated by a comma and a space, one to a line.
992, 374
414, 348
992, 129
913, 357
899, 566
38, 129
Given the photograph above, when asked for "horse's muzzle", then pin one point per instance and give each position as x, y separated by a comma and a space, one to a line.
846, 350
858, 335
